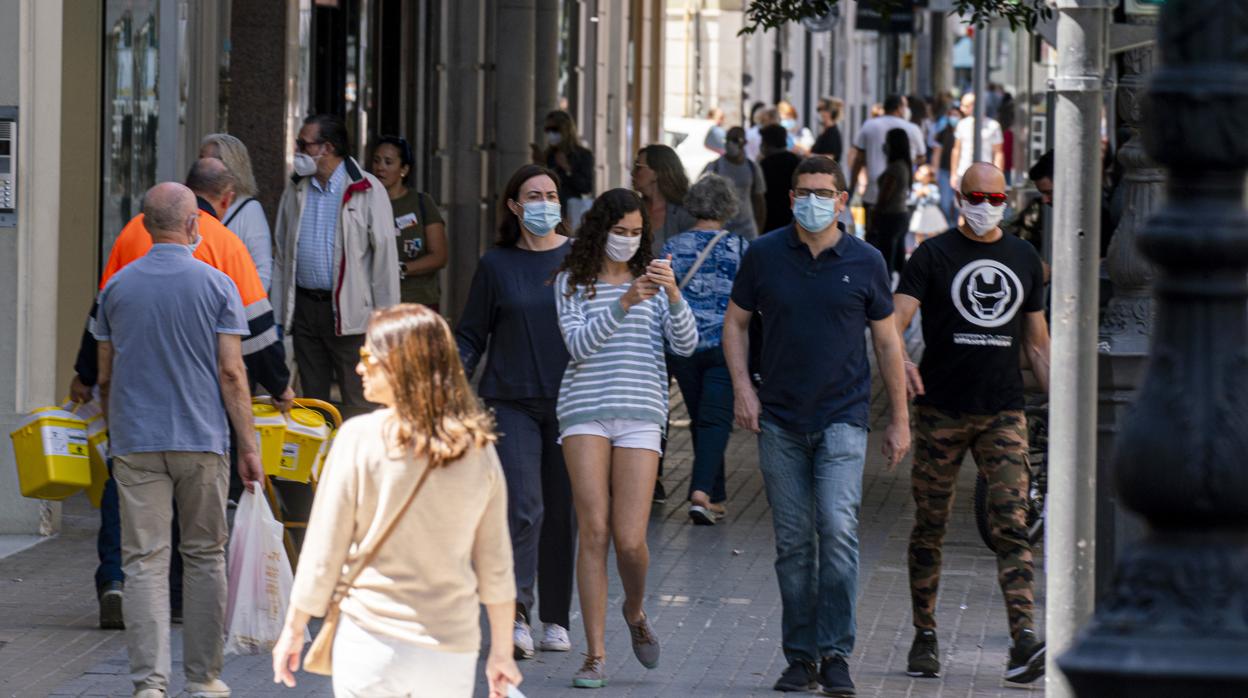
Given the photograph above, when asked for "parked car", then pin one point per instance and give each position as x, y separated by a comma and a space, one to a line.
688, 138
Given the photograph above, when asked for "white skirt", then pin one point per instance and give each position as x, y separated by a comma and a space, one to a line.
373, 666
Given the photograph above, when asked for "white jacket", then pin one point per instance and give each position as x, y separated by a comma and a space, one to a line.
366, 260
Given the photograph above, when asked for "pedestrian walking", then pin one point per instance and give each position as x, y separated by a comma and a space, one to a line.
829, 141
982, 294
868, 149
421, 242
778, 165
761, 116
245, 214
716, 135
747, 179
941, 147
992, 142
408, 535
928, 219
618, 310
892, 212
817, 289
334, 260
799, 139
511, 311
660, 177
705, 260
263, 355
564, 155
167, 320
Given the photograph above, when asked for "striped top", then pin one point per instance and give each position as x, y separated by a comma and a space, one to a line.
617, 369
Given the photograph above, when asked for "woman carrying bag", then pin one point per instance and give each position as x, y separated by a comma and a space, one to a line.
408, 533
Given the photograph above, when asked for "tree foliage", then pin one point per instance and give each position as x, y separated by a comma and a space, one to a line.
770, 14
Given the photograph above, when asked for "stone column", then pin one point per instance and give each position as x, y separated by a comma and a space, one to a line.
546, 66
1127, 324
1175, 622
256, 107
516, 22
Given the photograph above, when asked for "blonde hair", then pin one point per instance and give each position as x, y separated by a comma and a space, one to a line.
233, 153
436, 413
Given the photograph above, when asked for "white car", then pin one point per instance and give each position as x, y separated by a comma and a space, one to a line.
688, 138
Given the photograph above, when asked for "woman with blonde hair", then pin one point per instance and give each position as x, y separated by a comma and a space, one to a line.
408, 533
245, 217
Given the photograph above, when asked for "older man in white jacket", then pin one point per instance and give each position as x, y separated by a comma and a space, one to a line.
334, 260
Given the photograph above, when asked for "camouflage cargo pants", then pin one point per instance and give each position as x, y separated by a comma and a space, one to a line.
998, 443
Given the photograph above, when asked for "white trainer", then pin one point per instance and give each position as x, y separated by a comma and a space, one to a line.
522, 638
555, 638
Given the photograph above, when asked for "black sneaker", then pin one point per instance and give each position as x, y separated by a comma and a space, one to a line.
111, 595
660, 492
1026, 658
175, 615
834, 677
924, 655
799, 676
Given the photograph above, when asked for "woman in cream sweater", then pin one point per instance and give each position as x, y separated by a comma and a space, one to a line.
409, 619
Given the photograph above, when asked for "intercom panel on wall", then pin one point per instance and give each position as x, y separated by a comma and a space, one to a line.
8, 167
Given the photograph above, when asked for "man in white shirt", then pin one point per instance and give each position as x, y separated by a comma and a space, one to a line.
869, 144
993, 149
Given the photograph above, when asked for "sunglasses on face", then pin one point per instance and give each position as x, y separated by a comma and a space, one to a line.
976, 198
303, 145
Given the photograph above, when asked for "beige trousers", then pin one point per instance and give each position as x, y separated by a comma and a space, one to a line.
147, 484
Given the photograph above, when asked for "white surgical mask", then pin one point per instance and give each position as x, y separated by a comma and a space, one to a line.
305, 165
553, 137
621, 248
982, 217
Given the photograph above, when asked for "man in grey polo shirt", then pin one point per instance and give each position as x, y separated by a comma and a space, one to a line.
171, 367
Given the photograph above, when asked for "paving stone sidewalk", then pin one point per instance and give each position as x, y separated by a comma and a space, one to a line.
713, 600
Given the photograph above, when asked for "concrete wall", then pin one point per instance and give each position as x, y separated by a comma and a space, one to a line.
256, 95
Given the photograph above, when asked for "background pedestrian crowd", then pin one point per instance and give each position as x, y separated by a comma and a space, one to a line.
578, 321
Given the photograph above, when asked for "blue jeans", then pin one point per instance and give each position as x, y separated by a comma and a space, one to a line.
108, 544
707, 390
814, 487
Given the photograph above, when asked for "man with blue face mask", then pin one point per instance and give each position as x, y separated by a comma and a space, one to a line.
817, 288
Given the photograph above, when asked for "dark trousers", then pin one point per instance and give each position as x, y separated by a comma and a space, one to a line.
539, 505
707, 389
108, 544
323, 357
888, 235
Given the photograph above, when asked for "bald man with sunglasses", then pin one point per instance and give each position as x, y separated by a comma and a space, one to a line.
982, 294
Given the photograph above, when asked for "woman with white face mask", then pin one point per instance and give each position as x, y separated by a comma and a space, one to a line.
511, 310
618, 311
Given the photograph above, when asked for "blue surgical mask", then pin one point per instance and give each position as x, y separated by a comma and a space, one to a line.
814, 214
541, 217
788, 124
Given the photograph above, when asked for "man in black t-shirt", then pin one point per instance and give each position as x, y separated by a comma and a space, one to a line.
982, 294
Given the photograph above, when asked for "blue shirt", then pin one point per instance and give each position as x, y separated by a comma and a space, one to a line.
163, 313
318, 224
710, 288
814, 310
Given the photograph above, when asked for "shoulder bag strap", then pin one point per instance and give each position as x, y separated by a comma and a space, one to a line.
238, 210
367, 558
697, 263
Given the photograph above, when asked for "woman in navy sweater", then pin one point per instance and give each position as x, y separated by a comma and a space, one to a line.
511, 309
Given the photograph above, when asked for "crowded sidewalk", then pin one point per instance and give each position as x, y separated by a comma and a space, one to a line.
713, 599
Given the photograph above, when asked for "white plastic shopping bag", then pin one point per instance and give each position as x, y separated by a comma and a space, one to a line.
260, 579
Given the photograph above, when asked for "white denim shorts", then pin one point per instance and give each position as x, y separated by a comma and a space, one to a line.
622, 433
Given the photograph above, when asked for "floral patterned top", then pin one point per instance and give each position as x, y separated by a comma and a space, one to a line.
710, 288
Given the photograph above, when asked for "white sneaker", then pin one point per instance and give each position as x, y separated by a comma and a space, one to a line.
522, 638
555, 638
215, 688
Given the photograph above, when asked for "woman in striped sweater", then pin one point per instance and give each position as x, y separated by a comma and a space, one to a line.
618, 308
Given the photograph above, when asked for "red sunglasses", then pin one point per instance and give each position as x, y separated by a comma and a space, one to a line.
976, 198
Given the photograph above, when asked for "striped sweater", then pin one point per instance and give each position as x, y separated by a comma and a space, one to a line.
617, 369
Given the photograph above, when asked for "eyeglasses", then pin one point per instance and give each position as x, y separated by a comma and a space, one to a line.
303, 145
823, 194
976, 198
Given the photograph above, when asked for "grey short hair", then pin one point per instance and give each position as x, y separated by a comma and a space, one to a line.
712, 198
210, 176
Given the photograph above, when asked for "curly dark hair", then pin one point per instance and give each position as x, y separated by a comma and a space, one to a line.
589, 248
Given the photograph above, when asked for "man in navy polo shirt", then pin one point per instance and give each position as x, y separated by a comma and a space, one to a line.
817, 288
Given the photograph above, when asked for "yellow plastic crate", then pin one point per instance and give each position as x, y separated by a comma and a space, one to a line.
307, 434
270, 435
52, 454
97, 445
